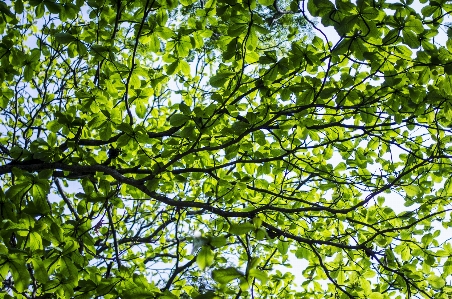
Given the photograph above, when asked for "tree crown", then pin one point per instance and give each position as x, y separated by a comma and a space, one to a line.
193, 149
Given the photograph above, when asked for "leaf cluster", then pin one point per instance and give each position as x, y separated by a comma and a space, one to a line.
128, 125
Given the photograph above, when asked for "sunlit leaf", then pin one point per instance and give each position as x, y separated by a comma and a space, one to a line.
226, 275
205, 257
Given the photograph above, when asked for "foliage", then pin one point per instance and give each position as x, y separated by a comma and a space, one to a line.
127, 126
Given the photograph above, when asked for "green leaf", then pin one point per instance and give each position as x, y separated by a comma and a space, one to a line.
141, 109
40, 190
226, 275
184, 108
172, 68
237, 29
303, 253
205, 257
318, 8
39, 11
266, 2
185, 68
241, 228
105, 131
178, 120
220, 79
64, 38
370, 13
154, 43
161, 17
40, 273
19, 272
28, 72
436, 281
4, 269
411, 39
18, 190
169, 4
218, 242
406, 253
283, 247
35, 241
52, 6
259, 274
19, 6
391, 37
164, 32
68, 268
5, 10
411, 190
415, 25
341, 276
376, 295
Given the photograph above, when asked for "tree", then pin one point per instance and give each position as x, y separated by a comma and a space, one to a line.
194, 149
